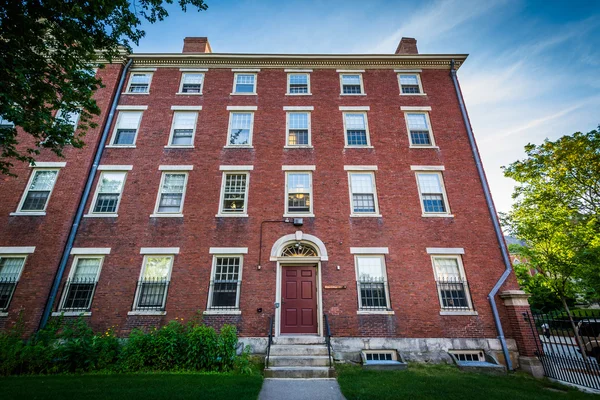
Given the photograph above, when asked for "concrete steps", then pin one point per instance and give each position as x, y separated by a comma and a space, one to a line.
299, 357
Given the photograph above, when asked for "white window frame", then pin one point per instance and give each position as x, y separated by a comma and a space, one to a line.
388, 310
307, 73
183, 73
233, 171
235, 75
431, 137
91, 212
418, 74
59, 114
346, 145
171, 256
444, 195
24, 256
5, 122
250, 135
363, 214
362, 86
310, 213
34, 171
160, 188
463, 276
134, 72
116, 127
287, 130
182, 146
209, 309
63, 297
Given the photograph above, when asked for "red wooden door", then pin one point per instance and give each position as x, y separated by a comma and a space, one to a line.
299, 300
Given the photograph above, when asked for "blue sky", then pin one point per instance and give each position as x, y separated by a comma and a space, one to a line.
533, 70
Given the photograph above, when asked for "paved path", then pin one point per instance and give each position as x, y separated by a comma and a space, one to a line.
300, 389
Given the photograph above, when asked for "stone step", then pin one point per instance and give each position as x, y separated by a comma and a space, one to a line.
299, 372
298, 350
285, 340
298, 361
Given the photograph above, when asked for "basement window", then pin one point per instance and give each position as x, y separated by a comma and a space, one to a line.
468, 355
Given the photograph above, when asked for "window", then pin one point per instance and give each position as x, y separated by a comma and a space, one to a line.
225, 283
410, 84
171, 193
38, 190
452, 285
10, 272
372, 283
431, 190
298, 129
79, 288
183, 129
419, 129
191, 83
151, 294
299, 193
240, 129
351, 83
363, 194
4, 123
71, 118
108, 192
139, 82
234, 193
126, 128
244, 83
357, 132
299, 83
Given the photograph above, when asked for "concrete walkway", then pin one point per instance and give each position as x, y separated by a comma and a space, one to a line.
300, 389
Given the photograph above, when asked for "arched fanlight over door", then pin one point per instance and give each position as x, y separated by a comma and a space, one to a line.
299, 249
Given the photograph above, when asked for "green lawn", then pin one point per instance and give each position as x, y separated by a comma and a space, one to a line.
447, 382
149, 386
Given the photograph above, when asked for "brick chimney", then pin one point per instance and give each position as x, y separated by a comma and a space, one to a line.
196, 45
407, 46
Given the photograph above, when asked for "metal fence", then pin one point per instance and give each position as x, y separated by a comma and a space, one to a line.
569, 352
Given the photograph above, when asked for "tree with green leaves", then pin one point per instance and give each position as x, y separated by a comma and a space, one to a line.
556, 212
49, 51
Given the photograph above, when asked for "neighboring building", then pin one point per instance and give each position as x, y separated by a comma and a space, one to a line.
247, 186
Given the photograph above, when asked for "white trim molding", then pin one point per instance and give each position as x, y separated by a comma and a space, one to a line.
159, 250
298, 108
417, 108
132, 108
298, 167
355, 108
427, 168
236, 167
245, 70
106, 167
349, 70
297, 70
193, 69
142, 69
408, 71
48, 164
445, 250
186, 108
228, 250
17, 250
175, 167
369, 250
242, 108
90, 250
360, 167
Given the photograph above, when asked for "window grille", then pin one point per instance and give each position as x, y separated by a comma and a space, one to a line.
39, 190
356, 129
184, 124
226, 283
452, 286
298, 129
298, 83
234, 194
171, 196
351, 84
192, 83
410, 84
372, 285
299, 192
139, 83
152, 288
466, 355
299, 250
79, 289
241, 126
420, 134
109, 192
245, 83
10, 270
432, 193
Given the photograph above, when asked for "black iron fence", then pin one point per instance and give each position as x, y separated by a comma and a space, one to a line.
373, 295
224, 295
453, 293
151, 295
568, 350
78, 295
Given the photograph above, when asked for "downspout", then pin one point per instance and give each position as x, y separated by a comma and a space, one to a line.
493, 215
83, 201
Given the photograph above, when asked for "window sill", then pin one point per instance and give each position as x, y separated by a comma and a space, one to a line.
125, 146
298, 215
466, 312
179, 147
231, 215
166, 215
242, 94
298, 147
188, 94
222, 312
28, 214
366, 215
422, 147
413, 94
100, 215
353, 94
358, 147
238, 147
437, 215
136, 94
72, 313
375, 312
298, 94
3, 314
147, 313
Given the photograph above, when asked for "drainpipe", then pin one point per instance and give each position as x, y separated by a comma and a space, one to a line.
493, 215
83, 201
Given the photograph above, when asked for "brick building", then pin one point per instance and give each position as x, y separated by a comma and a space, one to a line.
239, 187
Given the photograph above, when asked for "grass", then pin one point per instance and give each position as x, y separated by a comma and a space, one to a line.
447, 382
150, 386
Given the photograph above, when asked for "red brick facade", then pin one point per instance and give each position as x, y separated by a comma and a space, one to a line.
401, 227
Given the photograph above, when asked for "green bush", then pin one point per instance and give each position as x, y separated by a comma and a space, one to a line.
72, 347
